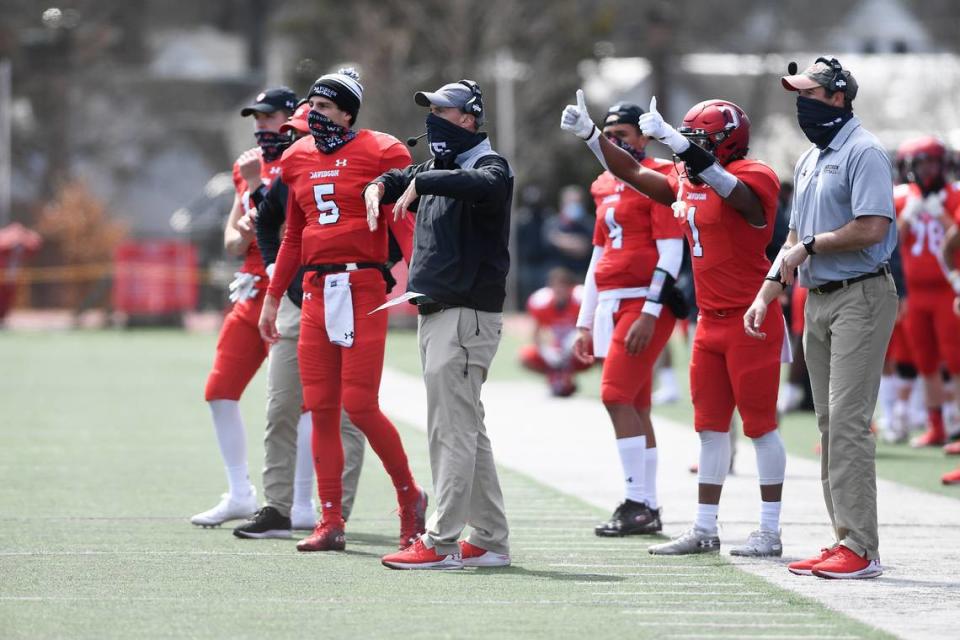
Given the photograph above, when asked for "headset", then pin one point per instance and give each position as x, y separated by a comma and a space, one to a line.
837, 82
474, 106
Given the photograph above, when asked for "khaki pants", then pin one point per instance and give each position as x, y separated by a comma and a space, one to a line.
844, 341
456, 348
284, 406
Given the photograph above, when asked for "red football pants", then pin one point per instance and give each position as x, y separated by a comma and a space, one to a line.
332, 375
729, 369
628, 379
240, 351
933, 330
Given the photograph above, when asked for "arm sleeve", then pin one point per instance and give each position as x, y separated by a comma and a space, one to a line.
271, 213
670, 258
289, 257
871, 184
589, 305
488, 182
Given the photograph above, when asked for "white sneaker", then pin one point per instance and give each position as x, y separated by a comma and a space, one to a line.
304, 518
762, 543
691, 541
228, 508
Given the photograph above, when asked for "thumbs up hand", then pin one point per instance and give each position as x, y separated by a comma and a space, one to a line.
576, 119
652, 125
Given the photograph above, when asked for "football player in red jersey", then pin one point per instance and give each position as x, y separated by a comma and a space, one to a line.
950, 254
636, 258
554, 309
344, 254
926, 205
240, 351
726, 205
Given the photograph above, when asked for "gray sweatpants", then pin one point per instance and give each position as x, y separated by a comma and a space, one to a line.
456, 349
284, 406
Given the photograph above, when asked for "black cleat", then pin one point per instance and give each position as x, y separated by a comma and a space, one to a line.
265, 523
631, 519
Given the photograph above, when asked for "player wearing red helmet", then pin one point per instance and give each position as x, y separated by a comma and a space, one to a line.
926, 206
726, 205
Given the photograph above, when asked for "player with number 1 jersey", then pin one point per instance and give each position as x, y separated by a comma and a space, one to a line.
727, 206
344, 254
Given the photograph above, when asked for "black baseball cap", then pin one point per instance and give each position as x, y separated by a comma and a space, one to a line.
272, 100
623, 113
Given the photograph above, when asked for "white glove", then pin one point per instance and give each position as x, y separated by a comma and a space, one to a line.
652, 125
270, 269
243, 286
576, 119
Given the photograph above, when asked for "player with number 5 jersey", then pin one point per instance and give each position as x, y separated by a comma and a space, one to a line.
726, 205
344, 254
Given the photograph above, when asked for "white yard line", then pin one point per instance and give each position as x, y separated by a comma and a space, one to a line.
568, 445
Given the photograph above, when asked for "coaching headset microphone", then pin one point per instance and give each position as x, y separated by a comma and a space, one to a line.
412, 141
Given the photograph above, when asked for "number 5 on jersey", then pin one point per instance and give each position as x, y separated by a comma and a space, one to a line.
329, 211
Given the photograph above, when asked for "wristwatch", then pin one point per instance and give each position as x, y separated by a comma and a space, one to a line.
808, 242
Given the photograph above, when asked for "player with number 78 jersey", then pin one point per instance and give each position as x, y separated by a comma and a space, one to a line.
343, 252
727, 205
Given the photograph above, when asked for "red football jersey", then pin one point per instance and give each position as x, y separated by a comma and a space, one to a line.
922, 239
253, 261
561, 320
326, 216
727, 252
628, 226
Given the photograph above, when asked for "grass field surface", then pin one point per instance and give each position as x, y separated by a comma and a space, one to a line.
106, 449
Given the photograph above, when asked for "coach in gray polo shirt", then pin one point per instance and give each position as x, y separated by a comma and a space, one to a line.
841, 237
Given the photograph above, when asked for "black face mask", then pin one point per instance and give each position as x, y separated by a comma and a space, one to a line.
637, 155
327, 135
448, 140
820, 121
272, 144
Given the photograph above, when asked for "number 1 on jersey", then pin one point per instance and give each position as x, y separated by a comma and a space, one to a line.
616, 231
329, 211
697, 249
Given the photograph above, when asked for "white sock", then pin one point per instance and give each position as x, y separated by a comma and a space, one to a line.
650, 478
303, 473
770, 516
632, 457
887, 396
918, 403
232, 438
707, 517
667, 379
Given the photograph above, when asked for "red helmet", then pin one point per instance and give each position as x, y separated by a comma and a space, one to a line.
922, 148
719, 126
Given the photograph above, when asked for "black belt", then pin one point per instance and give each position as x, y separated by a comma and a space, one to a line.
429, 308
830, 287
354, 266
339, 268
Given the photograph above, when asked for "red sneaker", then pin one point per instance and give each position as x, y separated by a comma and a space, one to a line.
805, 567
418, 556
952, 448
845, 564
474, 556
929, 438
413, 520
325, 537
951, 477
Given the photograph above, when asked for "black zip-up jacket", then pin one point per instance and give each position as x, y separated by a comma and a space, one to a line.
271, 214
460, 243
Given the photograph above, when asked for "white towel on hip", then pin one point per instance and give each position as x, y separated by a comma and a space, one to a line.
338, 309
603, 325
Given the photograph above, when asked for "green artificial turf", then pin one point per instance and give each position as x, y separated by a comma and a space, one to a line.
106, 448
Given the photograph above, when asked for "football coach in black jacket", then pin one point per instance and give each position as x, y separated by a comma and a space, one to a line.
458, 269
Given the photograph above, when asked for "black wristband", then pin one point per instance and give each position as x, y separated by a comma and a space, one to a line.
696, 158
778, 280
